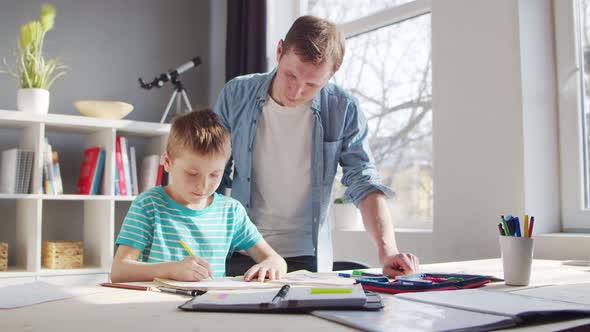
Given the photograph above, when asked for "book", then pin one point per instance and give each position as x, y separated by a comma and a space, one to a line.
57, 173
97, 174
226, 283
285, 299
134, 170
8, 170
87, 170
149, 172
119, 167
48, 168
461, 310
126, 168
27, 171
15, 171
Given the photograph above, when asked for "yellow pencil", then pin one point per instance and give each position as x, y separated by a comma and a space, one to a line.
186, 248
190, 252
526, 225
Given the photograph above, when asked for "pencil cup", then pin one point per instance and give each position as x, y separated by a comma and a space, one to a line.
517, 258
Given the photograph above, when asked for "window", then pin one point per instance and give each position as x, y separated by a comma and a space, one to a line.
572, 36
339, 11
387, 67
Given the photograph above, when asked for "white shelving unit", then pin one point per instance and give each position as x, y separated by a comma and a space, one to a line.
97, 213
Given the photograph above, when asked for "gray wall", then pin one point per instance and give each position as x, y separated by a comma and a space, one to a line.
109, 44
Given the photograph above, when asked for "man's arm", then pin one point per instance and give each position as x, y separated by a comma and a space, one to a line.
378, 223
222, 110
365, 189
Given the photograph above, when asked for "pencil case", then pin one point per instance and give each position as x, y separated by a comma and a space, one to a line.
426, 282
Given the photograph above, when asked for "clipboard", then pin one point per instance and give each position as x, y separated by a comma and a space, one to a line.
296, 300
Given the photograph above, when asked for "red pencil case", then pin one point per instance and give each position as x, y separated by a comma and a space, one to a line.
437, 282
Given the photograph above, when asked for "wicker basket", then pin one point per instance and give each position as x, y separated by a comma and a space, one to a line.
3, 256
63, 254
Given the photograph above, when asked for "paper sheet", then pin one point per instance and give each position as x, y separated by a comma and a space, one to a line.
217, 283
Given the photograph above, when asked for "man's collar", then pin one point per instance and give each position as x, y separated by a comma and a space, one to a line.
264, 92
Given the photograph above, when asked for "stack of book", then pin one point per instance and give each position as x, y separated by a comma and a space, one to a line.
126, 171
91, 170
15, 171
152, 172
125, 168
52, 183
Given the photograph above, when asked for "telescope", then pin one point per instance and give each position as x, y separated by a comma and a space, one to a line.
179, 91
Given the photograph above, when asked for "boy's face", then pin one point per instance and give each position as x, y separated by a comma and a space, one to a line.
194, 177
297, 82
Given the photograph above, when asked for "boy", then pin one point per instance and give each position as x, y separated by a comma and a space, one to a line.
188, 209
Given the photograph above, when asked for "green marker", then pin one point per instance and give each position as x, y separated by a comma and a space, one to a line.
506, 232
330, 290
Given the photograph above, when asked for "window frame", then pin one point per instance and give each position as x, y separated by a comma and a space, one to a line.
385, 17
575, 217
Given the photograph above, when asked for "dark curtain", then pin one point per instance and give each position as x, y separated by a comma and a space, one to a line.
246, 38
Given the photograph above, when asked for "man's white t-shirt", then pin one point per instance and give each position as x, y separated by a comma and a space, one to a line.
281, 185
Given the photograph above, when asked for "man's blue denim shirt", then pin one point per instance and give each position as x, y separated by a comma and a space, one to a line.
339, 135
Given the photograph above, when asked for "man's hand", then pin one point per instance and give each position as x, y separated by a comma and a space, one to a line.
192, 268
400, 264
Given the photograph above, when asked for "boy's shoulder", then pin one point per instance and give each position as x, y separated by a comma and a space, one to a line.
229, 202
150, 195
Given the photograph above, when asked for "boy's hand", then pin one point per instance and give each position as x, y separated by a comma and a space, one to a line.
192, 268
268, 268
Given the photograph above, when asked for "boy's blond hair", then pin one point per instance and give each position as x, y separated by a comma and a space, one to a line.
199, 131
315, 40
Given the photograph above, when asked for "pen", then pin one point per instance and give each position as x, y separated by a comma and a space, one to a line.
501, 229
282, 293
178, 291
526, 225
191, 253
506, 231
531, 226
365, 274
517, 227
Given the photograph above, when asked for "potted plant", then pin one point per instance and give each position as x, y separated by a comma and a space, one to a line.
33, 72
343, 215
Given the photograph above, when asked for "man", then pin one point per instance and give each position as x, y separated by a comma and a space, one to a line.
290, 129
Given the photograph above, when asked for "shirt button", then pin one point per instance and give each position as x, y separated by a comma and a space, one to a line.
249, 149
247, 205
248, 179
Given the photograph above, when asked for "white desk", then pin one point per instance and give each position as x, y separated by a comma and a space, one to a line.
128, 310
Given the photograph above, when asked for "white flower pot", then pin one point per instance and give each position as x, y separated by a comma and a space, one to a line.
33, 100
346, 217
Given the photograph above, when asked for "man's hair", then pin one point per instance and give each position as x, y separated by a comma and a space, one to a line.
315, 40
199, 131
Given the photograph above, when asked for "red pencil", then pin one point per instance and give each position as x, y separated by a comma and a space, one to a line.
531, 226
126, 286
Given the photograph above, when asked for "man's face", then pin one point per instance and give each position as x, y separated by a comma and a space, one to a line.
297, 82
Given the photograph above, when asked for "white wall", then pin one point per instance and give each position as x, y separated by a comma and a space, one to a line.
218, 37
494, 132
494, 116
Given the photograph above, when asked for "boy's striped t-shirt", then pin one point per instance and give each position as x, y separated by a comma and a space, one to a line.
155, 224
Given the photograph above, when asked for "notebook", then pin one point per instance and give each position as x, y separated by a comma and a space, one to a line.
286, 299
226, 283
461, 310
